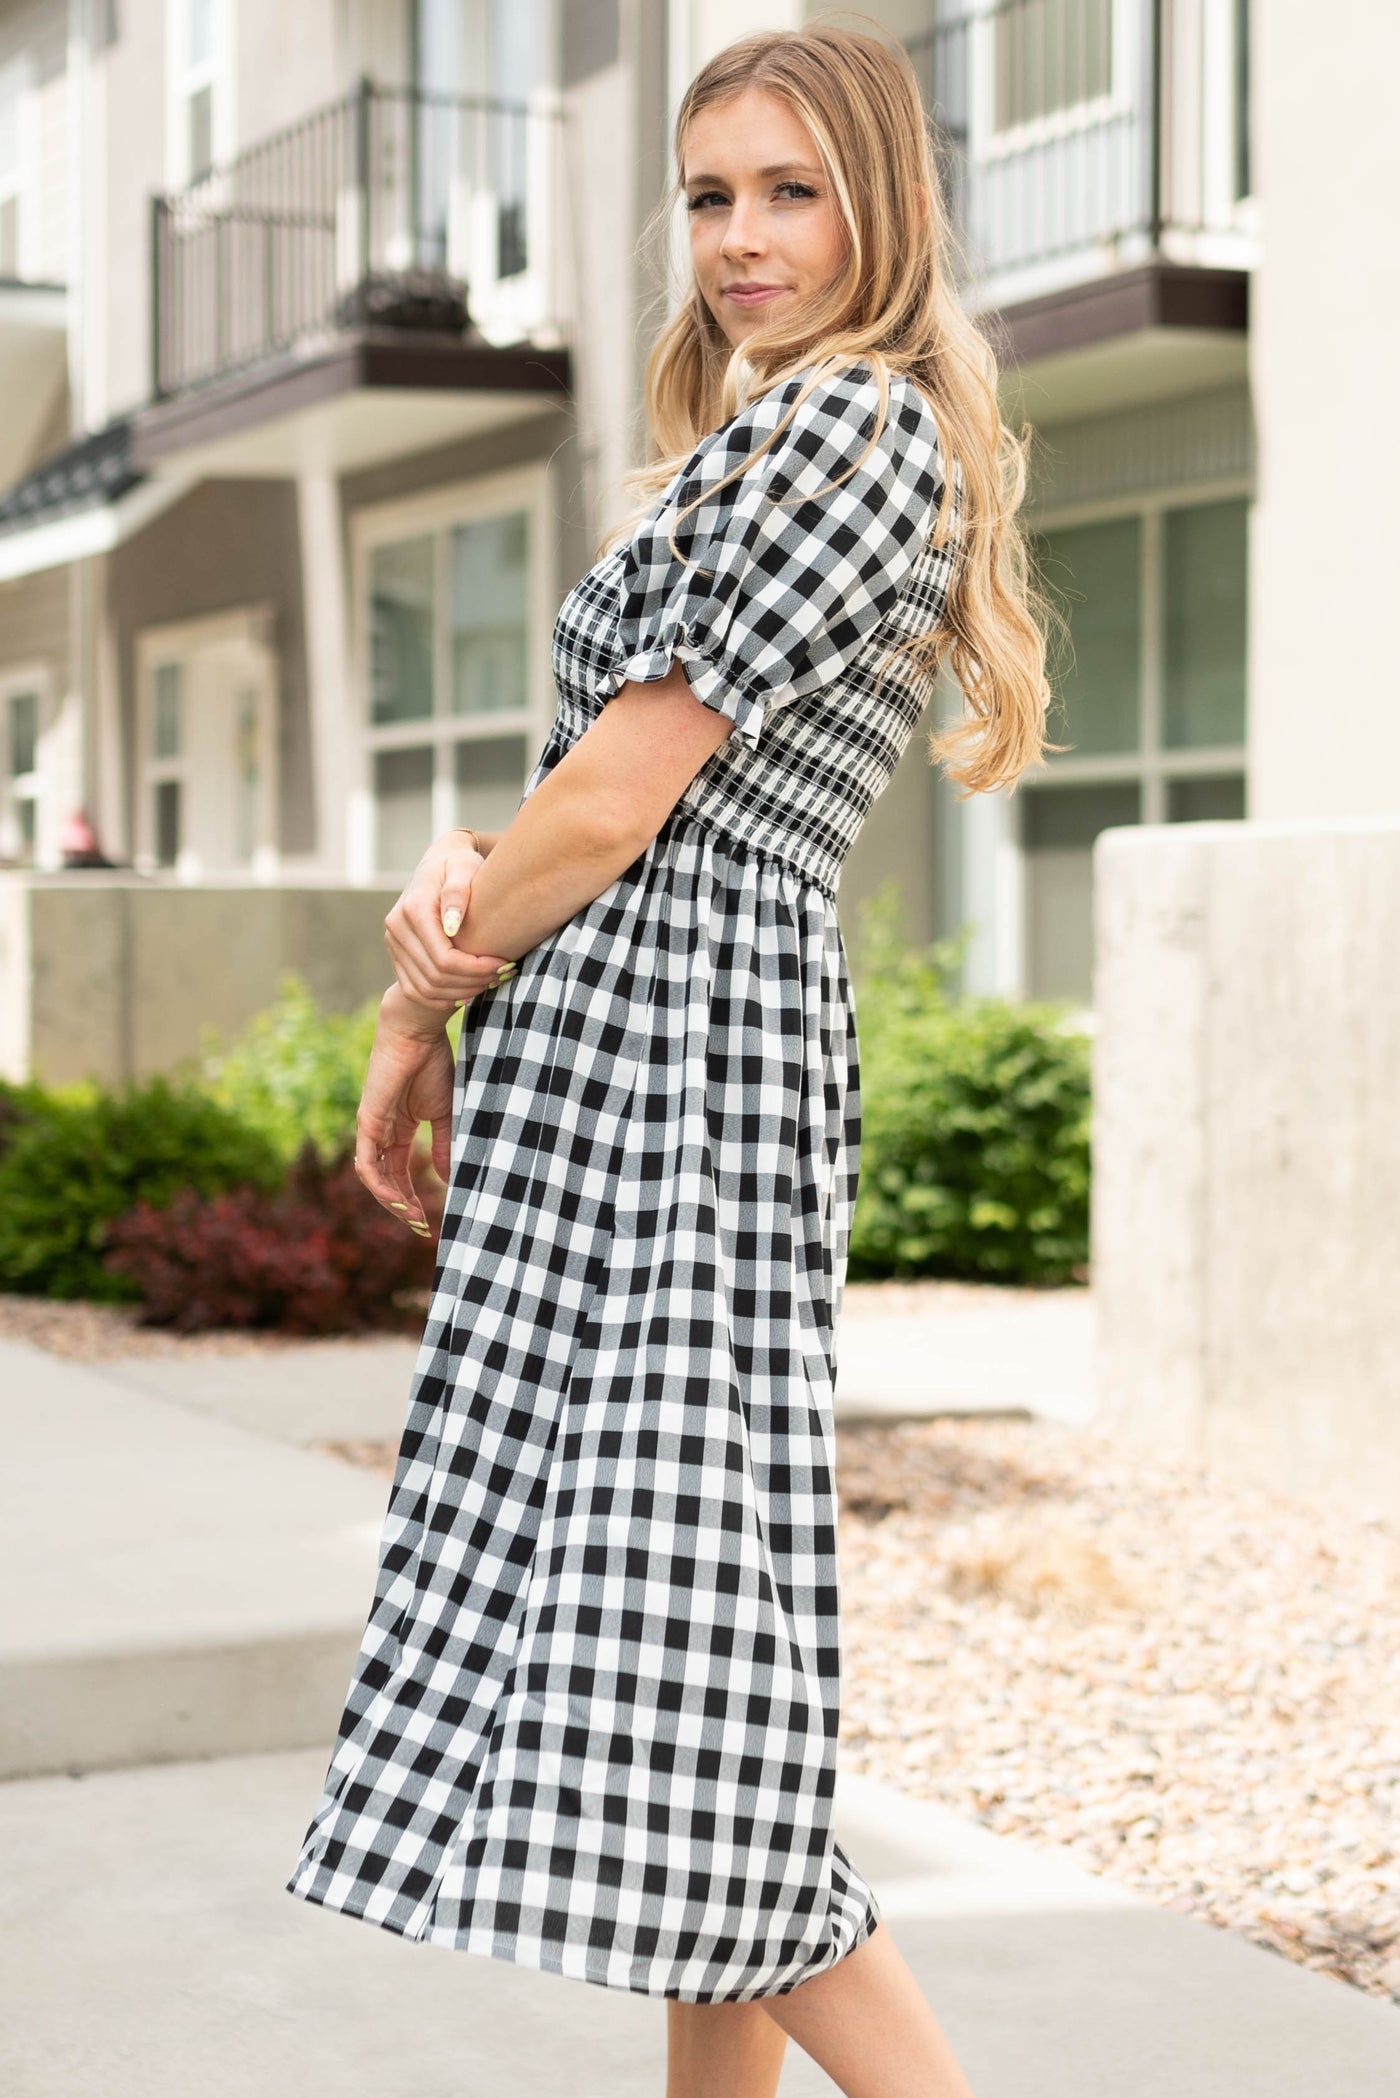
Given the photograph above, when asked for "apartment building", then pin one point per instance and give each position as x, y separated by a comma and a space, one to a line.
321, 332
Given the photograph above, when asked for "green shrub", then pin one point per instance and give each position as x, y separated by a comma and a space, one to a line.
975, 1123
74, 1161
296, 1073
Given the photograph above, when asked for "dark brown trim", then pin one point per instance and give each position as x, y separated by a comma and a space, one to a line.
1154, 295
367, 358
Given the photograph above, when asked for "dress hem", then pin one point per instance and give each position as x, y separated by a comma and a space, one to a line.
540, 1959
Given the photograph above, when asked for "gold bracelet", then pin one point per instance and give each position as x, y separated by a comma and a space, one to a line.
476, 842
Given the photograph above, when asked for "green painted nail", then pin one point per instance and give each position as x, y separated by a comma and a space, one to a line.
398, 1205
502, 974
451, 922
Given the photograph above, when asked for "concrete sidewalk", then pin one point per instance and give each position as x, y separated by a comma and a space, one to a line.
172, 1586
150, 1952
991, 1351
176, 1586
192, 1579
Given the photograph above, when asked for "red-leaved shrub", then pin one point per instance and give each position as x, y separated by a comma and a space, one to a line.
321, 1256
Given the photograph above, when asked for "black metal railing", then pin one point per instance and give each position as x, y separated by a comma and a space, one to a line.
1052, 125
395, 204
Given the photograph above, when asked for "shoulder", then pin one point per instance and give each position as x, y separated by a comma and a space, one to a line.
814, 427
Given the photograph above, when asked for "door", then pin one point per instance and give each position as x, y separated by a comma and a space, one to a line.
208, 805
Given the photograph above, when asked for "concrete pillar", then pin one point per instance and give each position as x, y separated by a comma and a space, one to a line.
1246, 1223
1324, 680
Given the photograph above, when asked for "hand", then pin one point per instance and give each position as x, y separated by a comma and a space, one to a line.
419, 929
409, 1081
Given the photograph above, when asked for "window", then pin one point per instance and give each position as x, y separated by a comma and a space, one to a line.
13, 162
1153, 707
19, 780
165, 770
207, 739
452, 720
196, 31
1051, 56
478, 159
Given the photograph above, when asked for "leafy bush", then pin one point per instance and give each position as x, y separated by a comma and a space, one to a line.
318, 1257
72, 1162
975, 1123
296, 1073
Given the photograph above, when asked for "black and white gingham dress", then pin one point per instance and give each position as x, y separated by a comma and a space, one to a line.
592, 1726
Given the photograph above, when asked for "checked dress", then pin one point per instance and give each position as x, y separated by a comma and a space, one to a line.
592, 1726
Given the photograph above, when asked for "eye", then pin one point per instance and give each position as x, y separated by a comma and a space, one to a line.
803, 189
701, 198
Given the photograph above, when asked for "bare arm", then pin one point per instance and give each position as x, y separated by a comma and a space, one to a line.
582, 826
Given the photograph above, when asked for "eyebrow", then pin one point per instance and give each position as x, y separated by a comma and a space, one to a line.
783, 167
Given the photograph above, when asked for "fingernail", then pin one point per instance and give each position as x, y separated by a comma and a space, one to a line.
398, 1205
502, 974
451, 920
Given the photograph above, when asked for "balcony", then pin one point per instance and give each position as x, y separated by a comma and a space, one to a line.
1095, 163
398, 243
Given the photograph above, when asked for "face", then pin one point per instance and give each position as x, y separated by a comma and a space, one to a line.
764, 229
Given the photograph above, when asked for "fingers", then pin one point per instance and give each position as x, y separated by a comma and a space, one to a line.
430, 968
384, 1171
457, 870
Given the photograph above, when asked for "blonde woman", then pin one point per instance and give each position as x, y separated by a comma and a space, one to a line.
593, 1724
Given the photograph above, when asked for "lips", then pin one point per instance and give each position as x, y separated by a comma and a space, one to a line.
753, 294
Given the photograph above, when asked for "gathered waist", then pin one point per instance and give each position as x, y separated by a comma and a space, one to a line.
808, 867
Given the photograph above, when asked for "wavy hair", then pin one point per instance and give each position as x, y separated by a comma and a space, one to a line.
892, 305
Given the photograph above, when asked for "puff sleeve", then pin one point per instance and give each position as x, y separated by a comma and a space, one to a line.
784, 576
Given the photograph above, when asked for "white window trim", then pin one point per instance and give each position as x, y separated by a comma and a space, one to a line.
1150, 766
176, 642
18, 185
527, 488
987, 143
184, 80
36, 678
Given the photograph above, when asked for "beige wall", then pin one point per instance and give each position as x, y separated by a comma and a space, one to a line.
1325, 310
117, 976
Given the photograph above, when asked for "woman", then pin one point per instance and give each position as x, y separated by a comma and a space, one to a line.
593, 1724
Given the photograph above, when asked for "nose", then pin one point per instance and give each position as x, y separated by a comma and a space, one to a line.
743, 234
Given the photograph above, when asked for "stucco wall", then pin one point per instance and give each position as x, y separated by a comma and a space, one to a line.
1246, 1222
119, 975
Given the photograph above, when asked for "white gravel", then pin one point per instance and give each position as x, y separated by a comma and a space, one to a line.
1193, 1685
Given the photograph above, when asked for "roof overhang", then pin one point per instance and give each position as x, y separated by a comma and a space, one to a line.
363, 399
1143, 334
93, 531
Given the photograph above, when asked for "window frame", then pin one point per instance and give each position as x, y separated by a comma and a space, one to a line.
1152, 766
14, 684
528, 488
987, 143
17, 184
184, 80
179, 641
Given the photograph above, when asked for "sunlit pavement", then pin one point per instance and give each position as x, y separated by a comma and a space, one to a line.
177, 1586
149, 1951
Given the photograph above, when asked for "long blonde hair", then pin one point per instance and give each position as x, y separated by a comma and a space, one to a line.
891, 305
